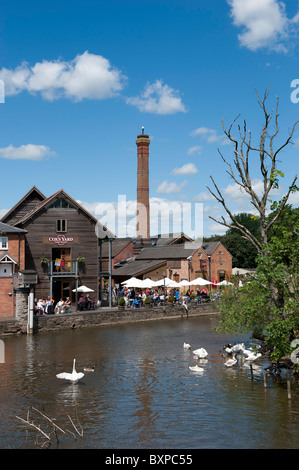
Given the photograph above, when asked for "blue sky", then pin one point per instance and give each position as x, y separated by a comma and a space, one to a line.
82, 78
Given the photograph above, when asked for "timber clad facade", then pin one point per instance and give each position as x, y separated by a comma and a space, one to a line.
61, 243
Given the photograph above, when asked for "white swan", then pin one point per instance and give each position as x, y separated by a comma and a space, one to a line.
187, 346
230, 362
73, 377
253, 356
196, 368
238, 347
200, 353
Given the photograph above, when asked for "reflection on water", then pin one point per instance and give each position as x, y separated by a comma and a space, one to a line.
142, 393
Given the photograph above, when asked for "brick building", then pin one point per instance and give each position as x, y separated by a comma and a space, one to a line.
12, 260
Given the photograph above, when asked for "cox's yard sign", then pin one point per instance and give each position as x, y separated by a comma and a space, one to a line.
61, 240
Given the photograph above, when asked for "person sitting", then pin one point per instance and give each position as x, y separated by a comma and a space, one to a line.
67, 305
59, 307
40, 307
49, 308
87, 302
81, 303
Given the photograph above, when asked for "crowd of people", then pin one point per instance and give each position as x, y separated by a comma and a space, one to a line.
136, 298
49, 307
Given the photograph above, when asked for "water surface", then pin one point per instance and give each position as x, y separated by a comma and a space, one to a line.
142, 394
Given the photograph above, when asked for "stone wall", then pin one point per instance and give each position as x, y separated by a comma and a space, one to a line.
104, 317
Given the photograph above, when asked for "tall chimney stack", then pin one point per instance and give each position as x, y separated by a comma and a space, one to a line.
143, 209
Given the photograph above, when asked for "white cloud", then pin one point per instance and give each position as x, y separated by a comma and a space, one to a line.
204, 197
87, 76
170, 188
158, 98
26, 152
195, 149
265, 23
210, 135
185, 170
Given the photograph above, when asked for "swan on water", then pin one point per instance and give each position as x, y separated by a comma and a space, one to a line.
89, 369
238, 347
196, 368
231, 362
73, 377
187, 346
253, 356
200, 353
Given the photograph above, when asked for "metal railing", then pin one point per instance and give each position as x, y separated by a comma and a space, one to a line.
69, 268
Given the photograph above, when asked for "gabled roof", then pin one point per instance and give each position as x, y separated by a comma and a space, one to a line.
29, 193
170, 239
8, 258
210, 247
49, 200
165, 252
117, 246
6, 228
137, 268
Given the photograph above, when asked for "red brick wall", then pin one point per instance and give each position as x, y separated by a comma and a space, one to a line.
218, 263
6, 283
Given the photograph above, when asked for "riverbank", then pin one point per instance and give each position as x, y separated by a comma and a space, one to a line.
103, 316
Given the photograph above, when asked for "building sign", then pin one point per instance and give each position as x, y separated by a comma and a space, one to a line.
203, 265
60, 240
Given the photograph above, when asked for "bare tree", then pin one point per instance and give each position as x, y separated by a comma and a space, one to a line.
240, 171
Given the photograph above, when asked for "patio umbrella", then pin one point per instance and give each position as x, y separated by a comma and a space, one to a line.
200, 282
224, 283
184, 283
83, 289
148, 283
168, 283
133, 282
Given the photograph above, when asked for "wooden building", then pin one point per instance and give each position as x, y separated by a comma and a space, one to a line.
61, 243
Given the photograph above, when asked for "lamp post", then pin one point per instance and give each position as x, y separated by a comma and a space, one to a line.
164, 276
209, 257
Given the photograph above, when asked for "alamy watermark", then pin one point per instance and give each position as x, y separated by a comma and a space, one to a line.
166, 218
2, 91
295, 93
2, 352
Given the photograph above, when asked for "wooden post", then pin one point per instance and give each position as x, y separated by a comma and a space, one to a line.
251, 371
289, 390
265, 380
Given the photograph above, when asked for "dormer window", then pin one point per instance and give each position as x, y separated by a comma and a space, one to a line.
3, 243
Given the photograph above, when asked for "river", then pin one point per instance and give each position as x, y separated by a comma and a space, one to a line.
142, 394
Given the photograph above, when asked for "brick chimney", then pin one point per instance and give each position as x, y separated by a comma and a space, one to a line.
143, 209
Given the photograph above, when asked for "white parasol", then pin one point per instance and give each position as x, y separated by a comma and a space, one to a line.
83, 289
199, 282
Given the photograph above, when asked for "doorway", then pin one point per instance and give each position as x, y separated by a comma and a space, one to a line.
62, 289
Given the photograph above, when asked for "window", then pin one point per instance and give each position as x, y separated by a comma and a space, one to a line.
61, 204
3, 243
61, 225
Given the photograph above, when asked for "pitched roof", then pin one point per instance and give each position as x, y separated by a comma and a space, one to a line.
6, 228
165, 252
117, 246
170, 238
61, 193
137, 268
23, 199
210, 247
